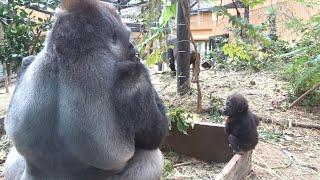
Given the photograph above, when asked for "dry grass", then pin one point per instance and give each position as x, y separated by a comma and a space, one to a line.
267, 96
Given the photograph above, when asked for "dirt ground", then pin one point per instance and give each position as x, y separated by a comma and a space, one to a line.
282, 153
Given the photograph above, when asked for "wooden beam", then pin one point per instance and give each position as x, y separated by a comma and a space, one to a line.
237, 168
206, 141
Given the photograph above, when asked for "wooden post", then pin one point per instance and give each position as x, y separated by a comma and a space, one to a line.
247, 18
5, 74
206, 47
183, 46
247, 14
237, 168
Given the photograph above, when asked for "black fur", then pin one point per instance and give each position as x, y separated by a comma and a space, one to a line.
172, 55
25, 62
241, 125
85, 108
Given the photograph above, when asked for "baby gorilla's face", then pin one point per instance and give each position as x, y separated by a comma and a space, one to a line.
235, 104
227, 109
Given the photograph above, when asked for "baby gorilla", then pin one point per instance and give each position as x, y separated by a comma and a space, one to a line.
241, 125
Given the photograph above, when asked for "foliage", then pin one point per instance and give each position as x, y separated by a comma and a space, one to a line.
246, 50
270, 135
237, 50
171, 158
216, 103
252, 3
22, 30
241, 56
168, 168
182, 119
303, 72
155, 56
157, 32
169, 11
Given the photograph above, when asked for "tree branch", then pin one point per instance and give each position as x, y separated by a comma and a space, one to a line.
305, 95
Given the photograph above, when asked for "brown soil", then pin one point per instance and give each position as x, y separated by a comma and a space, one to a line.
283, 152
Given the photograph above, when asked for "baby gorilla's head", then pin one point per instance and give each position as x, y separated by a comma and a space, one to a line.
235, 104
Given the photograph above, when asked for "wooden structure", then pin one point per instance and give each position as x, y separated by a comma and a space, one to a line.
237, 168
205, 141
205, 24
208, 142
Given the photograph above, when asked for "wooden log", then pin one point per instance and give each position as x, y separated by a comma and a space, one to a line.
237, 168
294, 124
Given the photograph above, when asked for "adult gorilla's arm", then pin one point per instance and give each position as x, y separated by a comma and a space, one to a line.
139, 104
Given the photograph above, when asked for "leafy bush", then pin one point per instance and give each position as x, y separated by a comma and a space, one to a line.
302, 75
303, 72
22, 30
216, 103
240, 55
168, 168
182, 119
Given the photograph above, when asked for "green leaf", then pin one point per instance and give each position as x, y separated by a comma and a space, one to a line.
167, 13
154, 57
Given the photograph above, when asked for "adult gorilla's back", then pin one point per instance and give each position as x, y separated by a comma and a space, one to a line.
84, 109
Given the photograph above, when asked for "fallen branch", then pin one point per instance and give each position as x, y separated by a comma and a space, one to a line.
160, 73
268, 168
273, 143
294, 124
265, 169
182, 164
304, 95
292, 156
165, 87
283, 167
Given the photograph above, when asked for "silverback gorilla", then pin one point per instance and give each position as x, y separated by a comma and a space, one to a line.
85, 108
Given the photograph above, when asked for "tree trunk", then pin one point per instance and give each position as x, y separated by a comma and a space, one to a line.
247, 18
272, 18
6, 80
183, 47
246, 13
